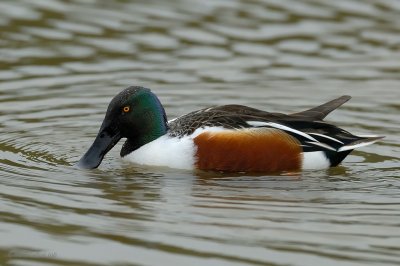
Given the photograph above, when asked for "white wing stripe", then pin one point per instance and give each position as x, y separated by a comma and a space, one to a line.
327, 137
353, 146
279, 126
257, 123
323, 145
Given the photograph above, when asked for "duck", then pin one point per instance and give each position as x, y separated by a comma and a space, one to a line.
227, 138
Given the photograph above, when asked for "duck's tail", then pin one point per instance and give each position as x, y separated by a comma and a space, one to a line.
336, 157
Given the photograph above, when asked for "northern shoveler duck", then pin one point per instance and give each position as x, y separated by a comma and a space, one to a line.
232, 138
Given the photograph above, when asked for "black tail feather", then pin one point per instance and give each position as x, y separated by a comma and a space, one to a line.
321, 111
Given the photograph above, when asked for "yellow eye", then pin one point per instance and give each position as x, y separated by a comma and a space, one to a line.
126, 109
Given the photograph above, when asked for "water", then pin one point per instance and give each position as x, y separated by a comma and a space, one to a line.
62, 61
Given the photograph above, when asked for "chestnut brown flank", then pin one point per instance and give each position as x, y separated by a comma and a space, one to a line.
250, 150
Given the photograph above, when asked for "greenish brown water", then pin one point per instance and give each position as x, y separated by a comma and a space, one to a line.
62, 61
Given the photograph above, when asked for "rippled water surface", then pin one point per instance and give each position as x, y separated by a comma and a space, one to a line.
62, 61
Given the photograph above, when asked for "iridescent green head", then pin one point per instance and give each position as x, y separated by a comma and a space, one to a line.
135, 114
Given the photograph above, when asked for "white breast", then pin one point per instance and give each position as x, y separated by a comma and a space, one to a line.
166, 151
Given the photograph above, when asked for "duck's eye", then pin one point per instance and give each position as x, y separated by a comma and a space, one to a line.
126, 109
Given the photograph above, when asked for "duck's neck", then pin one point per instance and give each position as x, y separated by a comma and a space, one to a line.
153, 125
